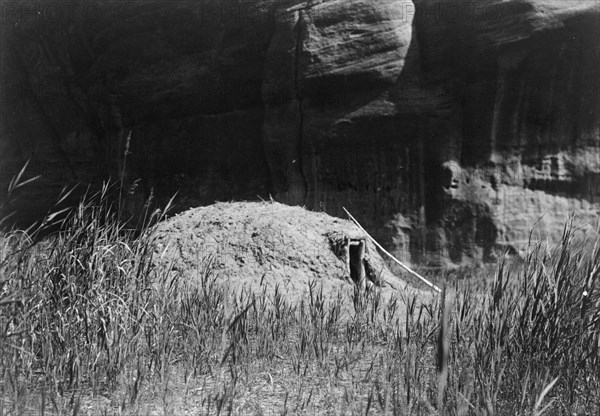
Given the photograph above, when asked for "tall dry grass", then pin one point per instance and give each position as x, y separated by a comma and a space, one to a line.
86, 312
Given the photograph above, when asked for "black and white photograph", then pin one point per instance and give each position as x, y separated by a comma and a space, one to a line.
300, 207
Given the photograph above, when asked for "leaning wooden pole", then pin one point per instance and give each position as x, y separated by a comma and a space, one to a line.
405, 267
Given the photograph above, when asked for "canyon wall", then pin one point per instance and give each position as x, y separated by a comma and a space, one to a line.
448, 128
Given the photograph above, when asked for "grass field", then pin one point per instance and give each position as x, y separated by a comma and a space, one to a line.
90, 325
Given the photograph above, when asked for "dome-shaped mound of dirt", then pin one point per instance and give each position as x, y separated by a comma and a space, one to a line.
250, 244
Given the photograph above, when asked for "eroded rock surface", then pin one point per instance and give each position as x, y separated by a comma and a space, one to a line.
447, 128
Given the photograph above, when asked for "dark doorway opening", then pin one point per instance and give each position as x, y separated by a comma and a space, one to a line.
356, 256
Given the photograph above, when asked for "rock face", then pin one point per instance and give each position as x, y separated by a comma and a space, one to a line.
447, 128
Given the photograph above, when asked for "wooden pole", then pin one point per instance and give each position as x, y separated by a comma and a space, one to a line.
405, 267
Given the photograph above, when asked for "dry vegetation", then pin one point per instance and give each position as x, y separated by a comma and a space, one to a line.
90, 324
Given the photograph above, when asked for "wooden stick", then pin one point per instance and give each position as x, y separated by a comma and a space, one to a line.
405, 267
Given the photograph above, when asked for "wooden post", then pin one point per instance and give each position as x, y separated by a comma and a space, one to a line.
405, 267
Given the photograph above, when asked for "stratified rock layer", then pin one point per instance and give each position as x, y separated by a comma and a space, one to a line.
447, 128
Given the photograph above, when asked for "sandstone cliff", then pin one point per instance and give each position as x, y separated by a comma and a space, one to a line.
448, 127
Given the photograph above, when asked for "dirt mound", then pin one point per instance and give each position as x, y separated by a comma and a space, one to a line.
266, 243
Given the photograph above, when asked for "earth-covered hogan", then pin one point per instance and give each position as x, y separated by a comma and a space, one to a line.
250, 244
